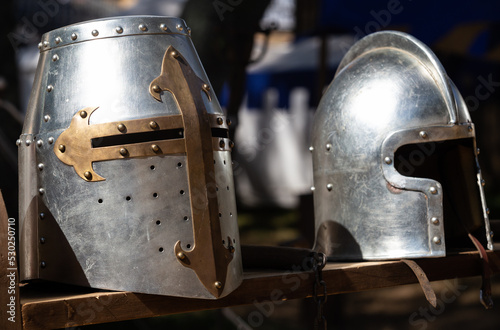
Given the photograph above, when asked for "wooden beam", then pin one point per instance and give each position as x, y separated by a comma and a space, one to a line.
52, 306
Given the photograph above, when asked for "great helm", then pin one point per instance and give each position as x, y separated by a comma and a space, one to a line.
125, 166
394, 156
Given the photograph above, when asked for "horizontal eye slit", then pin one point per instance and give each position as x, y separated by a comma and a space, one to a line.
220, 132
116, 140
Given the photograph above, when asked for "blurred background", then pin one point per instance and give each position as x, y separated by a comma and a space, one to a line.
269, 62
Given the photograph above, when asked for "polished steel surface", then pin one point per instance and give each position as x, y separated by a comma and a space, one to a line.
119, 232
390, 90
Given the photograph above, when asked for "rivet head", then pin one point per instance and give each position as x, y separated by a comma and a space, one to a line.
62, 148
164, 27
156, 89
42, 215
179, 27
423, 134
42, 240
232, 249
222, 144
39, 143
433, 190
181, 256
218, 285
41, 191
311, 148
483, 182
121, 127
313, 188
58, 40
174, 54
492, 234
188, 29
95, 33
50, 88
119, 29
41, 166
231, 144
388, 160
328, 146
228, 122
153, 124
220, 121
28, 143
123, 151
155, 148
436, 240
55, 57
469, 128
50, 140
435, 221
40, 45
329, 187
83, 113
487, 211
43, 264
45, 44
73, 36
87, 175
143, 27
18, 142
206, 87
478, 151
46, 118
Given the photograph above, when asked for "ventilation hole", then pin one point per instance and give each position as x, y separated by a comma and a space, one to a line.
158, 222
179, 164
224, 162
216, 188
128, 198
227, 187
188, 246
215, 162
186, 218
160, 249
223, 242
234, 240
152, 167
182, 192
99, 200
230, 214
155, 195
220, 215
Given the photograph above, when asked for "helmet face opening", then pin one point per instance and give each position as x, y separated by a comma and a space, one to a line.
453, 164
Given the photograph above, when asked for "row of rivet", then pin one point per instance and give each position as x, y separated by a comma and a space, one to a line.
118, 29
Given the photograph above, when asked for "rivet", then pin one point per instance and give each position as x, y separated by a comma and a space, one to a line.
62, 148
153, 124
179, 27
156, 89
469, 128
40, 166
181, 256
492, 234
50, 140
483, 182
42, 240
228, 122
73, 36
388, 160
163, 26
433, 190
50, 88
42, 215
174, 54
119, 29
43, 264
436, 240
143, 27
40, 45
28, 143
222, 144
232, 249
329, 186
83, 113
18, 142
435, 221
45, 44
423, 134
87, 175
95, 33
231, 144
313, 188
121, 127
328, 146
123, 151
155, 148
311, 148
478, 151
206, 87
220, 121
58, 40
188, 30
487, 211
41, 191
39, 143
46, 118
218, 285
